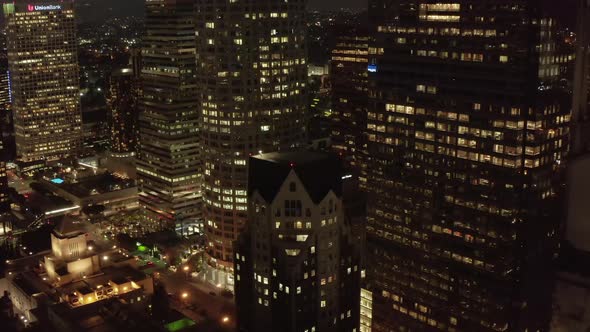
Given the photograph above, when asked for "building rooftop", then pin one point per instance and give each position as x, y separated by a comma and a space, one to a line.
124, 272
91, 185
46, 203
69, 226
295, 157
319, 172
27, 283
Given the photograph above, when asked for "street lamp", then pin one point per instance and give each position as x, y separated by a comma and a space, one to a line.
184, 299
225, 319
186, 270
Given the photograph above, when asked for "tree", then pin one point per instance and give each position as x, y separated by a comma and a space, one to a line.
160, 302
93, 210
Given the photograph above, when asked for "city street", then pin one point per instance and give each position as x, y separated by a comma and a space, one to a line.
197, 300
19, 184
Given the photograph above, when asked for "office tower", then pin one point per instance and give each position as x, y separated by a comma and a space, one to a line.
465, 146
252, 77
123, 91
349, 77
4, 204
168, 164
5, 96
135, 61
296, 263
43, 63
5, 93
578, 227
581, 106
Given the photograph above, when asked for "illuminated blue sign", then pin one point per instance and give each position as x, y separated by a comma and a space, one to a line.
372, 68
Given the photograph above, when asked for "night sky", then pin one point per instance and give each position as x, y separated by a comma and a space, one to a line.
100, 9
92, 10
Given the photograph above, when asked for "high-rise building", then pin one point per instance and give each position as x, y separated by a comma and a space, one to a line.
349, 76
122, 96
297, 265
168, 163
252, 75
5, 94
43, 63
581, 106
578, 227
466, 143
4, 204
123, 91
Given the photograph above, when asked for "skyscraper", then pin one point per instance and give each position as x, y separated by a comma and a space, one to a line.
349, 77
252, 76
122, 95
43, 63
5, 95
297, 264
168, 163
4, 204
581, 107
466, 140
578, 228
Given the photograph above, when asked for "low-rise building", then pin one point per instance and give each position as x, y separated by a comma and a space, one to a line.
74, 274
115, 194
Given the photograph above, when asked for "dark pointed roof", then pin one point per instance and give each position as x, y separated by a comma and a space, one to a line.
319, 172
69, 226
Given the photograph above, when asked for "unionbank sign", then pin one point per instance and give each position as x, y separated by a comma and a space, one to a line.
33, 8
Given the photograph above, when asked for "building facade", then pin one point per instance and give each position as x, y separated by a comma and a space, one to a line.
4, 202
578, 225
581, 107
43, 64
5, 94
349, 76
168, 163
123, 92
466, 143
252, 75
297, 264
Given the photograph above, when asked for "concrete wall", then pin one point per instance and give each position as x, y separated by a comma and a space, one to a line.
83, 267
578, 205
68, 249
23, 303
571, 304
